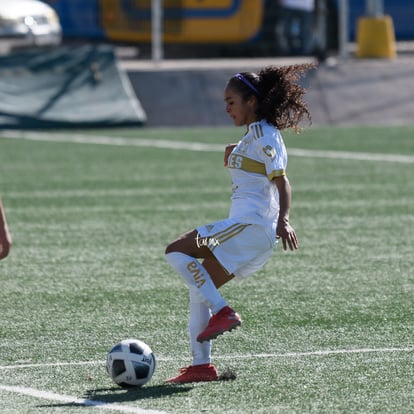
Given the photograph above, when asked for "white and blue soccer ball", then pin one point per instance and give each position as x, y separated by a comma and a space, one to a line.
130, 363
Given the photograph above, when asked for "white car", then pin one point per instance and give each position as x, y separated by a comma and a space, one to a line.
26, 23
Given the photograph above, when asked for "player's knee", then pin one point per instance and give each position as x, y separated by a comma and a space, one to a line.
186, 244
175, 246
170, 248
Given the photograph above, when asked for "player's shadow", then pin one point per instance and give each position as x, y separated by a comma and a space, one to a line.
119, 395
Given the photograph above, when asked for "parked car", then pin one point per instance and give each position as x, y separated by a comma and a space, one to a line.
28, 23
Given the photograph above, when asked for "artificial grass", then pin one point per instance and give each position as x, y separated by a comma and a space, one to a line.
90, 224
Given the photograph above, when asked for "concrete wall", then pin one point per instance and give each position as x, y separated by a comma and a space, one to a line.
190, 93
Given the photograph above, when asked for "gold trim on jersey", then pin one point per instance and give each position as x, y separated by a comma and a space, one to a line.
240, 162
276, 173
224, 235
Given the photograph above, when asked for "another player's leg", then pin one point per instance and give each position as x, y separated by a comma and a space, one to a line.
5, 238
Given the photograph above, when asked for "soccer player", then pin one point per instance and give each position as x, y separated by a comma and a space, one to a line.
5, 238
213, 254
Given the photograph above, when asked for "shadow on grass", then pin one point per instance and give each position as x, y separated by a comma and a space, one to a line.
119, 395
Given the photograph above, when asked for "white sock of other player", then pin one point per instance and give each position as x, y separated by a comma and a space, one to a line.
196, 276
199, 316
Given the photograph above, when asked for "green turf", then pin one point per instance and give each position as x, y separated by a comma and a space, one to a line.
90, 224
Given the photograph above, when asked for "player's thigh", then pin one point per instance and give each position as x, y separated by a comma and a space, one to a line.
189, 244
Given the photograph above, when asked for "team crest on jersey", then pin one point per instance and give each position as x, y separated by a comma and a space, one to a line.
269, 151
244, 145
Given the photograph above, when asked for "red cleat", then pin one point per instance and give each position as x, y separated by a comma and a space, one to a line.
224, 320
195, 373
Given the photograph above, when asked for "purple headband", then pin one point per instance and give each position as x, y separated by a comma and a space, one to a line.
247, 82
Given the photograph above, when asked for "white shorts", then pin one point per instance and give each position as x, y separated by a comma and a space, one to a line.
242, 249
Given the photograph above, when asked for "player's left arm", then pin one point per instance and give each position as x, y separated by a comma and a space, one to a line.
284, 230
273, 154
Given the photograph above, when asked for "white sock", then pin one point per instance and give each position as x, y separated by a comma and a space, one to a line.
196, 276
199, 316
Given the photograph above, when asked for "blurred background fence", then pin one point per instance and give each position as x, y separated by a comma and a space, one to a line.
226, 28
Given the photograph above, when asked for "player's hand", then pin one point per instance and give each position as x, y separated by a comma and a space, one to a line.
286, 232
227, 151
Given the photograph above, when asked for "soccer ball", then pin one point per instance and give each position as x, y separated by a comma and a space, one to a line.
130, 363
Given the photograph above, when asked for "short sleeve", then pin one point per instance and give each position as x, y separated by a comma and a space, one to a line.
272, 152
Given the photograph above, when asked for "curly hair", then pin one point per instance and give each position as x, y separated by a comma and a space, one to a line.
279, 96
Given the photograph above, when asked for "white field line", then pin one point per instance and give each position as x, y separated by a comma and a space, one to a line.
129, 409
115, 141
354, 156
31, 392
326, 352
196, 146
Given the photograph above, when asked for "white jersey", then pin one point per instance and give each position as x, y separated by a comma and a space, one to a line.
305, 5
259, 157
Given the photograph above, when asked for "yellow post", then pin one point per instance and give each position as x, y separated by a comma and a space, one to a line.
376, 38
